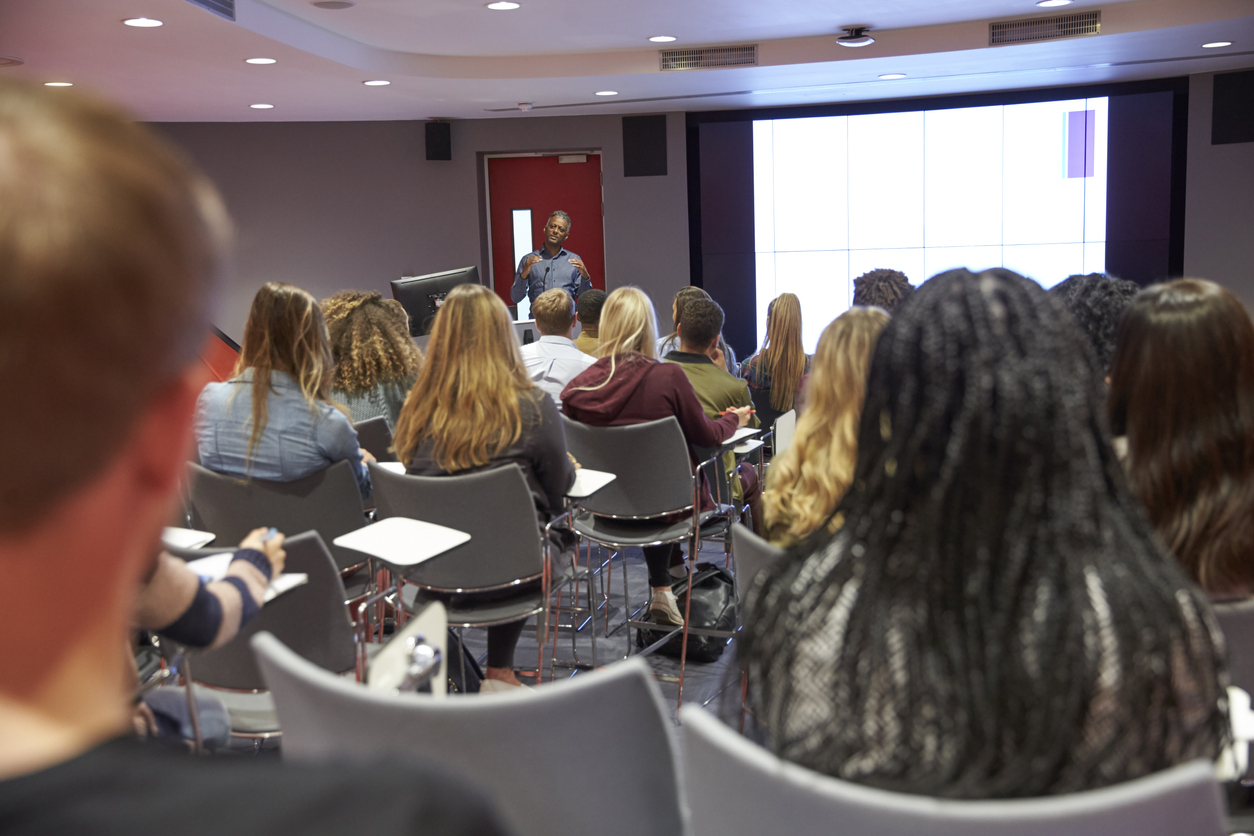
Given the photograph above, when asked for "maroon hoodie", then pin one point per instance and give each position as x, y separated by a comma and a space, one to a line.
644, 390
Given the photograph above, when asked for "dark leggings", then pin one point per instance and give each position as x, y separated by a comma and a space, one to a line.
658, 559
502, 639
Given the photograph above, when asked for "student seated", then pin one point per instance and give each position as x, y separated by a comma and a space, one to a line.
807, 480
1097, 303
717, 389
376, 361
881, 289
112, 259
670, 342
995, 618
588, 309
629, 386
475, 408
774, 373
1182, 391
554, 360
274, 419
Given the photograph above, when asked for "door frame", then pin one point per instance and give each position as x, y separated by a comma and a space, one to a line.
487, 199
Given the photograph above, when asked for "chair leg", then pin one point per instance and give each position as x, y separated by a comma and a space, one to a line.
461, 656
683, 651
744, 692
592, 612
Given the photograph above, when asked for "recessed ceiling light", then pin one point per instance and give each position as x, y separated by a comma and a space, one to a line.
607, 92
1216, 44
378, 82
261, 106
1049, 4
333, 5
260, 61
58, 84
503, 5
662, 39
890, 76
855, 36
142, 22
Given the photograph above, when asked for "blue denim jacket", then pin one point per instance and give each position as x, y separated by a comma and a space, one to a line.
298, 439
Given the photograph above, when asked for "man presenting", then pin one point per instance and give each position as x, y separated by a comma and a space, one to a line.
551, 266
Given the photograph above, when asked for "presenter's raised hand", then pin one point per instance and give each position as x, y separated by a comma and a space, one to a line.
527, 263
577, 263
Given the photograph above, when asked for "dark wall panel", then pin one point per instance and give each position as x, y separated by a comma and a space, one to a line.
728, 270
1138, 186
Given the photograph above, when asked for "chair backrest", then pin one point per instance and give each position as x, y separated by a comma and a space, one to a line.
1237, 622
736, 787
762, 406
493, 506
519, 748
328, 502
311, 619
374, 436
752, 555
785, 429
650, 461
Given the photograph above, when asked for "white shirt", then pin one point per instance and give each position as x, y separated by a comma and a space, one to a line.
553, 362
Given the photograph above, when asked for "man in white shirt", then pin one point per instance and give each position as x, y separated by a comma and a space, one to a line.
553, 361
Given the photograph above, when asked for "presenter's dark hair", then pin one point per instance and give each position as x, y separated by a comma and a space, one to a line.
589, 307
1097, 303
110, 246
701, 323
1182, 390
558, 213
881, 289
995, 617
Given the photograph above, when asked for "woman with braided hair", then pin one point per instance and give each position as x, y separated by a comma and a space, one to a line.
376, 361
994, 617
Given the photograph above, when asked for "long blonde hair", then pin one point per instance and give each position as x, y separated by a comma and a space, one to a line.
628, 328
466, 397
807, 480
782, 354
285, 333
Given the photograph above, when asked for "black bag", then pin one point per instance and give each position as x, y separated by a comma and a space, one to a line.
474, 675
713, 607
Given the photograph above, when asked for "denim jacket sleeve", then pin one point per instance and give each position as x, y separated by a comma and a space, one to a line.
337, 440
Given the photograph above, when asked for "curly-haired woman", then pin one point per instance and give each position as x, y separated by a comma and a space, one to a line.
376, 361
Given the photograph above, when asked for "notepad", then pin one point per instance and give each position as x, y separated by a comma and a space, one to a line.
185, 538
213, 568
741, 434
401, 541
588, 482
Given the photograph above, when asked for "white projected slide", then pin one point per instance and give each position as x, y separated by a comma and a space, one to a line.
1017, 186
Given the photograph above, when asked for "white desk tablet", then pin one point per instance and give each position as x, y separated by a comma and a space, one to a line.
395, 467
185, 538
401, 541
740, 435
747, 447
588, 482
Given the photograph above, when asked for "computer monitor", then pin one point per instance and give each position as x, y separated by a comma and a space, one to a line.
422, 296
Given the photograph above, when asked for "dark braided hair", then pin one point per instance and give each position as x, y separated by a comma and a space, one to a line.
994, 618
1097, 303
882, 289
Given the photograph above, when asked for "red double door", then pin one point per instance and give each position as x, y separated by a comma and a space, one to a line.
544, 185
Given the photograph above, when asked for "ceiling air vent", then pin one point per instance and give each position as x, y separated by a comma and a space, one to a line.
709, 57
221, 8
1035, 29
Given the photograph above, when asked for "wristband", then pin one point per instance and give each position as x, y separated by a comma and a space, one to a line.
257, 559
198, 625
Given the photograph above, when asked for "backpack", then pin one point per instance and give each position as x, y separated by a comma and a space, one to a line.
713, 607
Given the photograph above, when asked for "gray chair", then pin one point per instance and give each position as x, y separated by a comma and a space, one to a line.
311, 619
735, 787
654, 499
1236, 620
328, 502
505, 549
515, 747
374, 437
753, 554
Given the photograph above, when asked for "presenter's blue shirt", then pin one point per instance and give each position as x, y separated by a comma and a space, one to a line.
549, 272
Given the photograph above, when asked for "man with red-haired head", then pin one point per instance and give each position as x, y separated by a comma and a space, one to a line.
109, 247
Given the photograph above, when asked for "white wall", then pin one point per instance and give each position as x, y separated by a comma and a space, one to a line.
1219, 202
334, 205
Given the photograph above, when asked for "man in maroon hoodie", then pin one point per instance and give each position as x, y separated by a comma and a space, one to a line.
628, 386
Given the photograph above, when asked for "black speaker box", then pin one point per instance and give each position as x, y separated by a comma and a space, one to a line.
439, 141
644, 146
1232, 112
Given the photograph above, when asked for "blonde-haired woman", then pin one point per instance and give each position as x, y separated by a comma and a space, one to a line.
806, 481
628, 385
376, 361
274, 419
475, 408
774, 373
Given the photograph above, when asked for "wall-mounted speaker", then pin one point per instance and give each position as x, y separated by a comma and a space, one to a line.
644, 146
439, 141
1232, 111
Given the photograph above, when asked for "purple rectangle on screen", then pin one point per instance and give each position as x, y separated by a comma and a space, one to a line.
1081, 125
